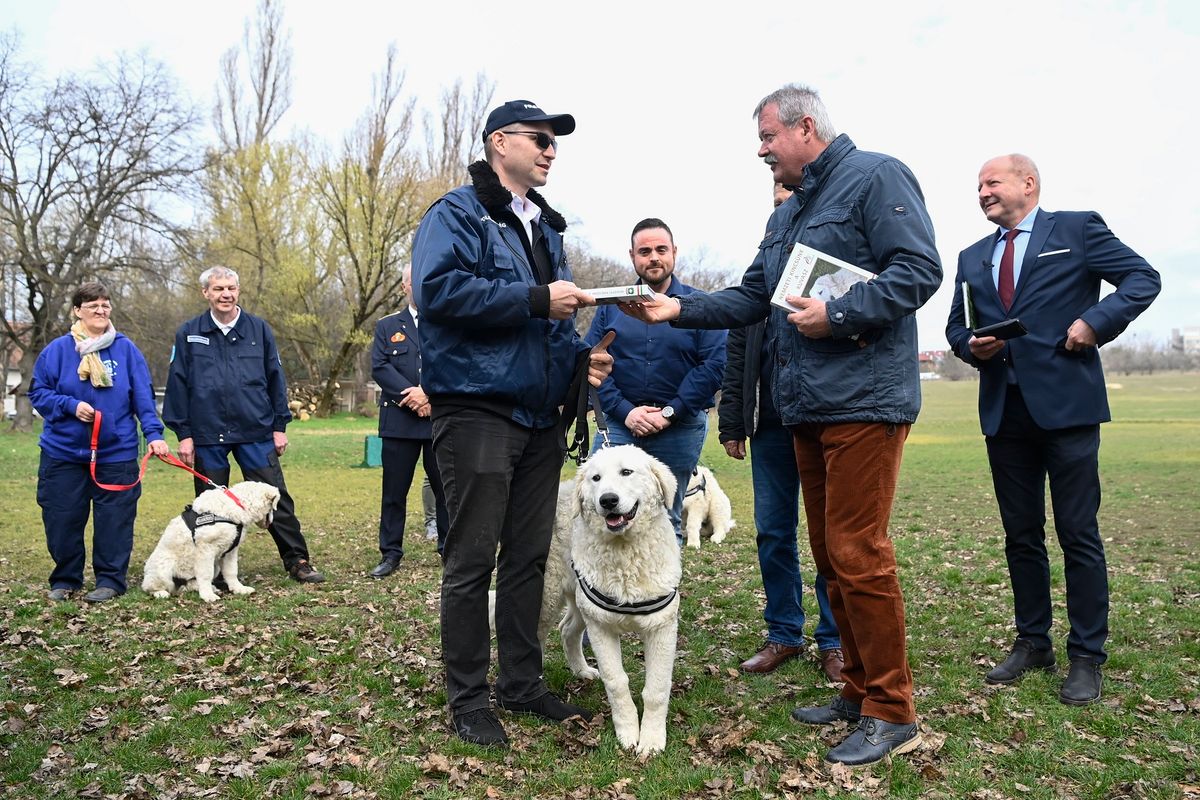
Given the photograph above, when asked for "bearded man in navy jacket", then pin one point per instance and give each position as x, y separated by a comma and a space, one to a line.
1042, 399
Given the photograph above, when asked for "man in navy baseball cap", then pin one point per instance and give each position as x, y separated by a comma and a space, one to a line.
525, 111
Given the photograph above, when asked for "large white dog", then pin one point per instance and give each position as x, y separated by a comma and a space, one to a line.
706, 508
187, 557
619, 573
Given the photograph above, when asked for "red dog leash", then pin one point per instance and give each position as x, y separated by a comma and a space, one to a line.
168, 459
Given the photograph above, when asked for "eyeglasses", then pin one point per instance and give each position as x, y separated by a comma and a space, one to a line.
543, 140
96, 307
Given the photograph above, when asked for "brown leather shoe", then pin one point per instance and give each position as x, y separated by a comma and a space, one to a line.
770, 657
832, 663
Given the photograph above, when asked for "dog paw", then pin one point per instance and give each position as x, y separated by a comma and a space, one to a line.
242, 589
628, 738
209, 596
694, 545
650, 745
718, 538
162, 595
588, 673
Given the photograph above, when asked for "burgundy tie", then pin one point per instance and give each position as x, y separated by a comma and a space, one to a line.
1005, 286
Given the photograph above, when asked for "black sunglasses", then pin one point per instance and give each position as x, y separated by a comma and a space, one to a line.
543, 140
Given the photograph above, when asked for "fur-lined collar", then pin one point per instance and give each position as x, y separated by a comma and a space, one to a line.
496, 198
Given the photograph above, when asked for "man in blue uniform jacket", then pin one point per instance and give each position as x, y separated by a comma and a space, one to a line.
1042, 399
405, 428
226, 393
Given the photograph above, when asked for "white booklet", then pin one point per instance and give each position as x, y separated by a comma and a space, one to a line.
811, 273
621, 294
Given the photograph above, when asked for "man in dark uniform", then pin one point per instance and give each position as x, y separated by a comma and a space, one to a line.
226, 393
405, 428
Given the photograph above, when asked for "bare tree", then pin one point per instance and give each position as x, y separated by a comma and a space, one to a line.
457, 140
84, 164
239, 123
373, 197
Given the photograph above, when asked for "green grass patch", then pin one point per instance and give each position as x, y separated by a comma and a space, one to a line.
338, 690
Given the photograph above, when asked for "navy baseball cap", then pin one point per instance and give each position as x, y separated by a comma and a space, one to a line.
525, 111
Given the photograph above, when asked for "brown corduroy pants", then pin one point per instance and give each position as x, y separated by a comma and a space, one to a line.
848, 475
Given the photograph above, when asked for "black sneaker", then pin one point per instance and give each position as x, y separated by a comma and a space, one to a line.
548, 706
480, 727
303, 572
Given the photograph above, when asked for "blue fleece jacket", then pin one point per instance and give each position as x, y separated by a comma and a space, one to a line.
56, 391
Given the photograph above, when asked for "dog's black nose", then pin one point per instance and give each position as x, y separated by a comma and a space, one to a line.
608, 501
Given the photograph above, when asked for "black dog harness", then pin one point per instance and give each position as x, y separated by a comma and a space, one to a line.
602, 600
698, 489
194, 520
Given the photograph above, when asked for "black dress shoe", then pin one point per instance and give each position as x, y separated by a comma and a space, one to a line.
480, 727
548, 707
1022, 659
1082, 686
385, 568
873, 741
839, 708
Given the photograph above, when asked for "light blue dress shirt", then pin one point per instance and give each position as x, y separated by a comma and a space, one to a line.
1020, 244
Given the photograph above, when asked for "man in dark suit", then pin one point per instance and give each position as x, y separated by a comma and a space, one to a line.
405, 428
1042, 399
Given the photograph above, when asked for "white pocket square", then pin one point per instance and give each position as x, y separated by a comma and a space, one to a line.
1053, 253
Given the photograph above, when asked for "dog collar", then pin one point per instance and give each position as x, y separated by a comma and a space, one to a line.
607, 603
699, 489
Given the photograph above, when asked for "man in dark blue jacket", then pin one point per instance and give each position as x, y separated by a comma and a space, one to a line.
405, 428
664, 379
846, 385
226, 393
499, 352
1042, 399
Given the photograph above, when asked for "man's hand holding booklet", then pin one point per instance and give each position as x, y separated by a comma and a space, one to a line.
811, 273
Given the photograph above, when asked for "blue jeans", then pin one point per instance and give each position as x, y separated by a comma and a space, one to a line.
776, 516
678, 447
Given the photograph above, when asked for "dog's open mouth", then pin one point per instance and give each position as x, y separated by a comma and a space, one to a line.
617, 522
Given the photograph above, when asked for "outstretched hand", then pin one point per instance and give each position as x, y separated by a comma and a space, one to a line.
662, 308
599, 361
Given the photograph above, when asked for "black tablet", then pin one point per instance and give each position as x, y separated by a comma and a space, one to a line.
1009, 329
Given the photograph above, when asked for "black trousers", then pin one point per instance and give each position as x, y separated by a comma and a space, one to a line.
285, 529
1022, 456
501, 484
399, 465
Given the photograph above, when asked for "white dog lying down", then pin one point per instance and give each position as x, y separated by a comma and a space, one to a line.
706, 508
626, 570
187, 559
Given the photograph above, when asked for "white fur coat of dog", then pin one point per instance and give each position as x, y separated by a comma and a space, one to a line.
181, 561
706, 509
622, 546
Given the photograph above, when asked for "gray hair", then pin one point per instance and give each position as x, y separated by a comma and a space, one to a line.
797, 101
218, 272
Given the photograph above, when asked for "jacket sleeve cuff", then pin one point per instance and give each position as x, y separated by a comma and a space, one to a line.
539, 302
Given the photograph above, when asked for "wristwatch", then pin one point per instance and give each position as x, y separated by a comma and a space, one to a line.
668, 412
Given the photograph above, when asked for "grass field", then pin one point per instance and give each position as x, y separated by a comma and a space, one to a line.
337, 690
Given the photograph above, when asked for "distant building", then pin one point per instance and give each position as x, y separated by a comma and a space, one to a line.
1186, 340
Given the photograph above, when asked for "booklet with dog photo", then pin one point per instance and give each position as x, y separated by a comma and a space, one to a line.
811, 273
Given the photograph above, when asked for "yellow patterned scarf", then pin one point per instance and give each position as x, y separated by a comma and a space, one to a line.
90, 366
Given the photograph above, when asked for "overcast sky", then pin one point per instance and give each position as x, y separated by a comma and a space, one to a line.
1102, 95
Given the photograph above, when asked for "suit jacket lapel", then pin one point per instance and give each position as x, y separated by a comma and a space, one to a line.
1042, 225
